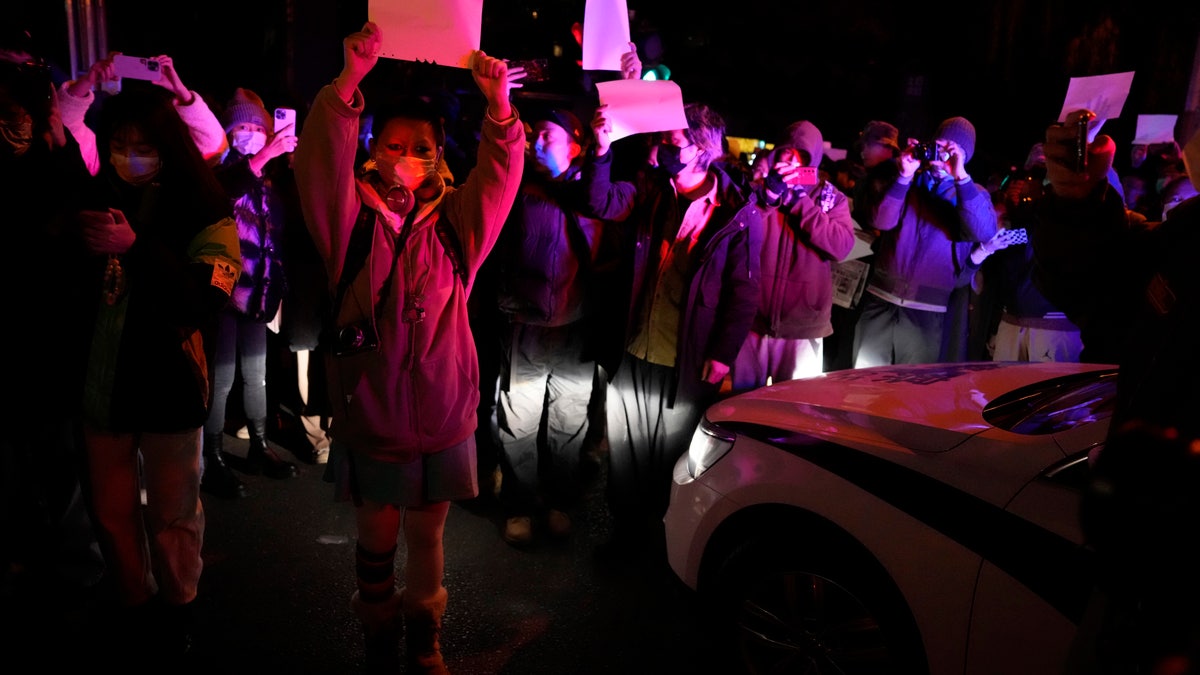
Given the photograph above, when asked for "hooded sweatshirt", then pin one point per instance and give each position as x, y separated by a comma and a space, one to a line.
418, 393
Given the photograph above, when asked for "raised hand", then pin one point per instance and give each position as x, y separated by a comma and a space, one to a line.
101, 71
1060, 149
601, 130
170, 79
909, 164
360, 53
631, 65
491, 76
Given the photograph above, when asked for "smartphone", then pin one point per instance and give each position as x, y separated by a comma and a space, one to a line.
536, 70
283, 118
137, 68
807, 175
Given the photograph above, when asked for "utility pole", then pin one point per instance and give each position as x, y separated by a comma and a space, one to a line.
87, 34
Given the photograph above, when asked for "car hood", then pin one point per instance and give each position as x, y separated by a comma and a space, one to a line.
918, 408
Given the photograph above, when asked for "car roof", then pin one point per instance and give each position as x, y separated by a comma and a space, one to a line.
921, 407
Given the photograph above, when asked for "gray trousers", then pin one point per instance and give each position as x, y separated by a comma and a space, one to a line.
888, 334
542, 416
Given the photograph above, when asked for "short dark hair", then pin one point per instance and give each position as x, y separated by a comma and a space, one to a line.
410, 108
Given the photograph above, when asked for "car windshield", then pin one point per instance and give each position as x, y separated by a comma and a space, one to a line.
1055, 405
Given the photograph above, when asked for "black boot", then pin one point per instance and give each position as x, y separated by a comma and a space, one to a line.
261, 457
218, 479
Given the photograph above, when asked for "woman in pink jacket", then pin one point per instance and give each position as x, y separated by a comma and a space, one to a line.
404, 376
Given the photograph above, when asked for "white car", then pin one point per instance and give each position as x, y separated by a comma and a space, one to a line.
896, 519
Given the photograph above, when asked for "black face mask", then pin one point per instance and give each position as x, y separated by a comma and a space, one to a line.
668, 159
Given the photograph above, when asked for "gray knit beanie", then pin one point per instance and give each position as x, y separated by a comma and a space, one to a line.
245, 108
959, 130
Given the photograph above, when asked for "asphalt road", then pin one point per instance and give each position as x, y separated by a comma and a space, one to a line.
279, 574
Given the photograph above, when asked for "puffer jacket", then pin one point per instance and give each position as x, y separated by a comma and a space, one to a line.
263, 283
547, 251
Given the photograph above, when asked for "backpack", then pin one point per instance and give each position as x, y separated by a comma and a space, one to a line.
360, 247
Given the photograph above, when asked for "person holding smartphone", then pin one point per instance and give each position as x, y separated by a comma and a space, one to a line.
806, 229
242, 326
163, 261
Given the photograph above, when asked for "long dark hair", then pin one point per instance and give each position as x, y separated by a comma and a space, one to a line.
187, 183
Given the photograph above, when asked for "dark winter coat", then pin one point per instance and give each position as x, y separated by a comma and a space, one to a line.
722, 287
259, 215
547, 250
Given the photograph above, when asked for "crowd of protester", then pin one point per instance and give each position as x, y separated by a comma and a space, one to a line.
528, 296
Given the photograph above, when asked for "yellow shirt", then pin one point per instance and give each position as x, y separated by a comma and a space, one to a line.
658, 331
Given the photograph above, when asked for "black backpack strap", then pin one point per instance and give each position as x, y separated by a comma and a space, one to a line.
453, 248
360, 247
356, 254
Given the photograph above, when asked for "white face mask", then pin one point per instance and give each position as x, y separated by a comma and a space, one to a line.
135, 169
411, 172
248, 142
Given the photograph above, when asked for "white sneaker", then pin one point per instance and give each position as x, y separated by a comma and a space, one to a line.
518, 530
243, 433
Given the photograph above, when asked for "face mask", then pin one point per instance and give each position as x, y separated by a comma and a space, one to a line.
18, 137
668, 159
135, 169
249, 142
411, 172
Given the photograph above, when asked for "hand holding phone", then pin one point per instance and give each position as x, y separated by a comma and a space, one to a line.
106, 231
137, 68
1011, 237
285, 119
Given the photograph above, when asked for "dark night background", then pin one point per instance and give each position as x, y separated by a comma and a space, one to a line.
1003, 64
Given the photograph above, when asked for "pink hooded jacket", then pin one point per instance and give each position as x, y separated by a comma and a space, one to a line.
419, 392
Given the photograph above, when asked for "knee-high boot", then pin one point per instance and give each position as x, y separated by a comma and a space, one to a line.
261, 458
218, 479
382, 626
423, 649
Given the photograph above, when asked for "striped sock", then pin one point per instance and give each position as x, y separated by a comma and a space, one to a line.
376, 573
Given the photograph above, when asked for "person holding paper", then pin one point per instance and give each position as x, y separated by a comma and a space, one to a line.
682, 303
1134, 292
807, 227
546, 289
404, 248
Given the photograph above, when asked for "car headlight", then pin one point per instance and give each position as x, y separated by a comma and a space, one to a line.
709, 444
